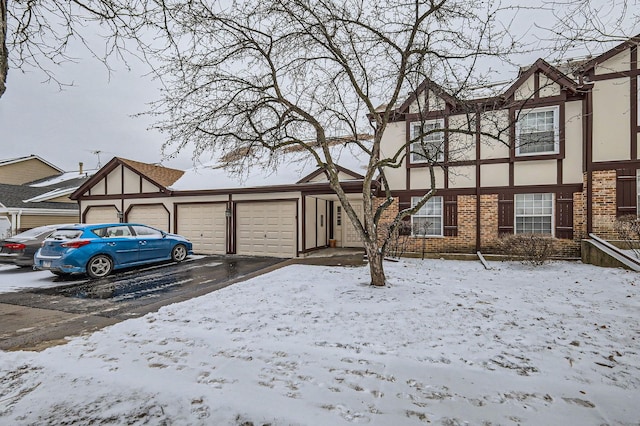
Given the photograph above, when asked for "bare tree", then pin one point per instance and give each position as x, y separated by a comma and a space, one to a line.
36, 34
260, 77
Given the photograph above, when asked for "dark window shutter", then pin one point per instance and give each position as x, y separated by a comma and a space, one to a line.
450, 213
626, 192
564, 215
505, 214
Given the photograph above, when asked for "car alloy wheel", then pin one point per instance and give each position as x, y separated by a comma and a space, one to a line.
179, 253
99, 266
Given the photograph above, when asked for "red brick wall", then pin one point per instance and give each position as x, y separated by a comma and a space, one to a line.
465, 241
603, 199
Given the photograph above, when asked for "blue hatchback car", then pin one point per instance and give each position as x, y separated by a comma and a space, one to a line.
99, 249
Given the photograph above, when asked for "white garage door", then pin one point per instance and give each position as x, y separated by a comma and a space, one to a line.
205, 225
156, 216
102, 215
266, 228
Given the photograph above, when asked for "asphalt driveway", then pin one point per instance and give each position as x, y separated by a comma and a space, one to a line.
38, 318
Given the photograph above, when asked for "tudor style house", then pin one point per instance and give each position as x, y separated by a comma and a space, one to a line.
554, 152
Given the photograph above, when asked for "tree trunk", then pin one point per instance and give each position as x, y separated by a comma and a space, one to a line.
376, 269
4, 53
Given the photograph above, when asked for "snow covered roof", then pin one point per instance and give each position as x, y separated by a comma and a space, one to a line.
66, 177
288, 170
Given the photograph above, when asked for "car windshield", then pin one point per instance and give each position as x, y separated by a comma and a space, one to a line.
66, 234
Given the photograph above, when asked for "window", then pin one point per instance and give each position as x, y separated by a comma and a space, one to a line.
428, 220
534, 214
431, 147
339, 216
145, 231
113, 231
537, 132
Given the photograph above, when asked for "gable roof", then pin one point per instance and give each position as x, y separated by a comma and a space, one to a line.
547, 69
160, 176
8, 161
590, 65
20, 196
294, 167
427, 84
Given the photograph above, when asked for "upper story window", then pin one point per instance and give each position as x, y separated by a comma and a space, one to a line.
428, 145
534, 214
427, 220
537, 131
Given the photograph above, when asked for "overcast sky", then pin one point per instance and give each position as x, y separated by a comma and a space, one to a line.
95, 114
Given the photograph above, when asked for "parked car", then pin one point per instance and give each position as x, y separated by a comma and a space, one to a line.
20, 248
99, 249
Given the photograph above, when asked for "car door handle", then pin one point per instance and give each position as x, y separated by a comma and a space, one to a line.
143, 243
111, 244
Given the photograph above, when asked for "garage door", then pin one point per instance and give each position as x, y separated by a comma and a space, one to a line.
266, 228
205, 225
156, 216
102, 215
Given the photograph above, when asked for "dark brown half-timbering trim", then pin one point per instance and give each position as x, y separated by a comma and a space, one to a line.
230, 221
615, 75
626, 192
303, 222
478, 182
506, 214
564, 215
633, 98
450, 215
570, 187
614, 165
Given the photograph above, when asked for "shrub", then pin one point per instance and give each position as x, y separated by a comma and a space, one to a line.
535, 249
399, 239
628, 229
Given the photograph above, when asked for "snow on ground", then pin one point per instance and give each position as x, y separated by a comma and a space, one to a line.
447, 342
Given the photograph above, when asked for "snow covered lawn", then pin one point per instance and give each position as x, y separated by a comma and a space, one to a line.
447, 342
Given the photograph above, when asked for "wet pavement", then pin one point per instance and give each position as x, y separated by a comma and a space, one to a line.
38, 318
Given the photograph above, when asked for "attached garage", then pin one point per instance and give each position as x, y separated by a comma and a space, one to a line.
101, 214
205, 225
155, 215
266, 228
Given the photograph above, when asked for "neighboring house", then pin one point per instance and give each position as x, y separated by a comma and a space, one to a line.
554, 152
40, 200
225, 214
17, 171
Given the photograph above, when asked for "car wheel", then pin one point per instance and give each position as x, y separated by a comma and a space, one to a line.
99, 266
179, 253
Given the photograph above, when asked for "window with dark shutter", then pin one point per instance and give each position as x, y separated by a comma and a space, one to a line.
505, 214
564, 215
626, 194
450, 215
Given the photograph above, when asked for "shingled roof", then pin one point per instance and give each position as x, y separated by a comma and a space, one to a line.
14, 196
163, 175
